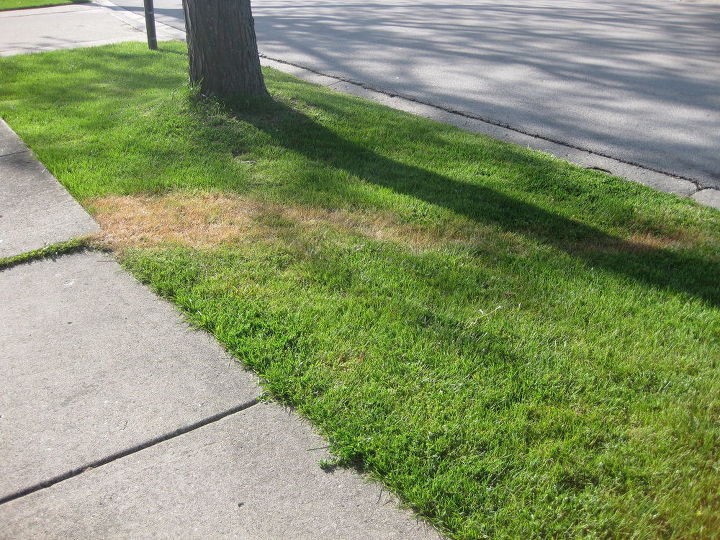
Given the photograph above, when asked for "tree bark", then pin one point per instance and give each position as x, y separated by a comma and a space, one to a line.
222, 46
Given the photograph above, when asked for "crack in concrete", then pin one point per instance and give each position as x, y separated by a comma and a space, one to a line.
14, 153
127, 452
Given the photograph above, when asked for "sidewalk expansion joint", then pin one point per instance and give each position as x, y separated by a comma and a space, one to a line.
128, 451
15, 153
52, 252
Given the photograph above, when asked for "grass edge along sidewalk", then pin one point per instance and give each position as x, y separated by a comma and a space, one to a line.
10, 5
515, 345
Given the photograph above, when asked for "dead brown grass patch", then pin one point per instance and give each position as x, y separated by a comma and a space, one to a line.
636, 243
207, 220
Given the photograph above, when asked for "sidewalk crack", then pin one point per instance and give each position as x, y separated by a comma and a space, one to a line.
15, 153
128, 451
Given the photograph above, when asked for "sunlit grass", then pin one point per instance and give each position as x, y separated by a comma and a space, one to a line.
23, 4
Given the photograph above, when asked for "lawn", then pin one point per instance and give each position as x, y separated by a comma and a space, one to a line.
517, 346
23, 4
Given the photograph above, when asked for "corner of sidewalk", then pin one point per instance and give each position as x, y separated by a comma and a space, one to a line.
73, 25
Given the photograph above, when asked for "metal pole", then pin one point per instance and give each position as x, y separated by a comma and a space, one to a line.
150, 24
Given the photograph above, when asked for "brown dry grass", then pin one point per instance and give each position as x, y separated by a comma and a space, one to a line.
636, 243
206, 220
641, 242
203, 220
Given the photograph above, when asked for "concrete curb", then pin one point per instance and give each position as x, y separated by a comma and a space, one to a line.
708, 197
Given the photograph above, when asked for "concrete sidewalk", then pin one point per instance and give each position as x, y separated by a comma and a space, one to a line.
35, 209
61, 27
71, 26
117, 420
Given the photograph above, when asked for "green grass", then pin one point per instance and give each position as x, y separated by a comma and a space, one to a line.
24, 4
51, 251
533, 352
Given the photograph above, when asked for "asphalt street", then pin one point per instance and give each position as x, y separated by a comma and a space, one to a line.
638, 81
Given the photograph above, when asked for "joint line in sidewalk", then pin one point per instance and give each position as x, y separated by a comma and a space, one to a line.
127, 452
15, 153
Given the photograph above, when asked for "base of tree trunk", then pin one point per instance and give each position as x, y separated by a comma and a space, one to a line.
222, 46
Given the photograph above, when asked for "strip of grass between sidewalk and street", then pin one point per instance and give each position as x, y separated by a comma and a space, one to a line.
516, 346
7, 5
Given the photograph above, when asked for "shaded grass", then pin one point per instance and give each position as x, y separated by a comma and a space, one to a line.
517, 346
26, 4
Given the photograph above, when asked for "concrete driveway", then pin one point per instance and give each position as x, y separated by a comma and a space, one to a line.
638, 80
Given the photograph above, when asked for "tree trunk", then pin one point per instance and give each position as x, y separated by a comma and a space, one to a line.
224, 59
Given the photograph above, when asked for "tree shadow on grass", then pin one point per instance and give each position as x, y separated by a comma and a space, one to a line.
661, 268
125, 71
